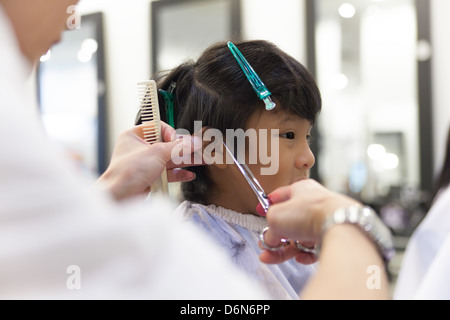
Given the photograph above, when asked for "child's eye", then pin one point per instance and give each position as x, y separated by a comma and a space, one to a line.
288, 135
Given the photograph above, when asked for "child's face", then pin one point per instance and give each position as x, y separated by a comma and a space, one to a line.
294, 160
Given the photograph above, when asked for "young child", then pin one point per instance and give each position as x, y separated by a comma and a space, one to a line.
215, 91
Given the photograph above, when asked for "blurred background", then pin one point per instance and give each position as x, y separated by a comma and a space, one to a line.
382, 67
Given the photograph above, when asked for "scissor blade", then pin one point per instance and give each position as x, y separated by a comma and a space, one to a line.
251, 180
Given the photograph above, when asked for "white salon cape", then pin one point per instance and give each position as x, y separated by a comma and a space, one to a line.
425, 270
239, 234
61, 239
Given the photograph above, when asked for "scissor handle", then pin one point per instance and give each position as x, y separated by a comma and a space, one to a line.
285, 242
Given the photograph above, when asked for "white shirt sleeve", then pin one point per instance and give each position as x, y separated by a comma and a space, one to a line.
435, 285
424, 271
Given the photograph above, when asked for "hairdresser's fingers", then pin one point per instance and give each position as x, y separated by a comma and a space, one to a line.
190, 160
137, 132
285, 193
287, 253
146, 191
187, 154
164, 150
179, 175
271, 238
276, 257
296, 217
281, 194
135, 165
168, 133
306, 258
284, 220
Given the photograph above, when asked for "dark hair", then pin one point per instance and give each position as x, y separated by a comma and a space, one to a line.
215, 91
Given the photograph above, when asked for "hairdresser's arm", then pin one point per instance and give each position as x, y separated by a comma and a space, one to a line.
135, 164
348, 258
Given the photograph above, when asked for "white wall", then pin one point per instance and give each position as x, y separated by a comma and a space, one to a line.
279, 21
127, 36
441, 76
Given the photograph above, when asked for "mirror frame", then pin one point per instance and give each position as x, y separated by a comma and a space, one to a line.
157, 6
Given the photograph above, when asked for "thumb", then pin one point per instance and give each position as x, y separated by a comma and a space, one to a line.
164, 149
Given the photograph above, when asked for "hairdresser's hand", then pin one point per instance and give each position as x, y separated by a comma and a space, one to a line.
136, 165
298, 213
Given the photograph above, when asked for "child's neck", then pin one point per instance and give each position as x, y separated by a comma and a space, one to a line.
228, 201
229, 190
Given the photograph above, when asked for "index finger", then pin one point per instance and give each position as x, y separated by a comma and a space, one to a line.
280, 195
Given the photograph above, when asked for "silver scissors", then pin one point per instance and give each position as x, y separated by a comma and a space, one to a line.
251, 180
265, 203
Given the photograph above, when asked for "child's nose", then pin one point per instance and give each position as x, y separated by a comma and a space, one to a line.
305, 159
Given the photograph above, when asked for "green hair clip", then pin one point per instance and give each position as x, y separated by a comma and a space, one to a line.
256, 82
169, 100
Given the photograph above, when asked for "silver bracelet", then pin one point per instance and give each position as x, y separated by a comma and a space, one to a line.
368, 221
